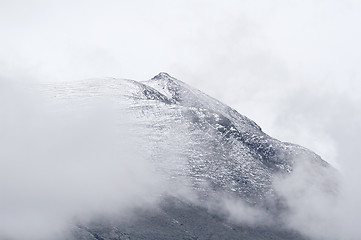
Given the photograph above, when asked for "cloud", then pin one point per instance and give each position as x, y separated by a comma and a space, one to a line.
67, 162
293, 67
240, 212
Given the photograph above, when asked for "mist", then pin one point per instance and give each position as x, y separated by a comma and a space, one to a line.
66, 164
292, 67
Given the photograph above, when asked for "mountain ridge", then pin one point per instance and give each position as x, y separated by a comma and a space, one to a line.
219, 151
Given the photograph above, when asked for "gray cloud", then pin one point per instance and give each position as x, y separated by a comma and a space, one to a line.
293, 67
55, 166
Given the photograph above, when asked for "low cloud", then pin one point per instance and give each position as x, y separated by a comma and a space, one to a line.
68, 162
240, 212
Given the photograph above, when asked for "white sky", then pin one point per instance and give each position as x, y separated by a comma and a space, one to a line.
292, 66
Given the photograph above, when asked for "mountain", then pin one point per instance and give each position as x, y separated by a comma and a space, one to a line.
216, 152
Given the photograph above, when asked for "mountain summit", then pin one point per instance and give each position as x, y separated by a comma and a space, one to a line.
216, 152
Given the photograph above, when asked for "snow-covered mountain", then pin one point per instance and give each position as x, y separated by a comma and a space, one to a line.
216, 150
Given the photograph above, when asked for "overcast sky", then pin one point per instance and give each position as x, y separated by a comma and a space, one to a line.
292, 66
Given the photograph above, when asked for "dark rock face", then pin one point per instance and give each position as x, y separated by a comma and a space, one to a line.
178, 220
223, 148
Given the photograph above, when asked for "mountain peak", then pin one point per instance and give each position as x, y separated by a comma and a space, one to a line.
162, 75
208, 148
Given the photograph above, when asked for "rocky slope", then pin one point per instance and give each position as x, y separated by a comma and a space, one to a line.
215, 150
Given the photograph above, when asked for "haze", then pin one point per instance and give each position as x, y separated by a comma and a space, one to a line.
291, 66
